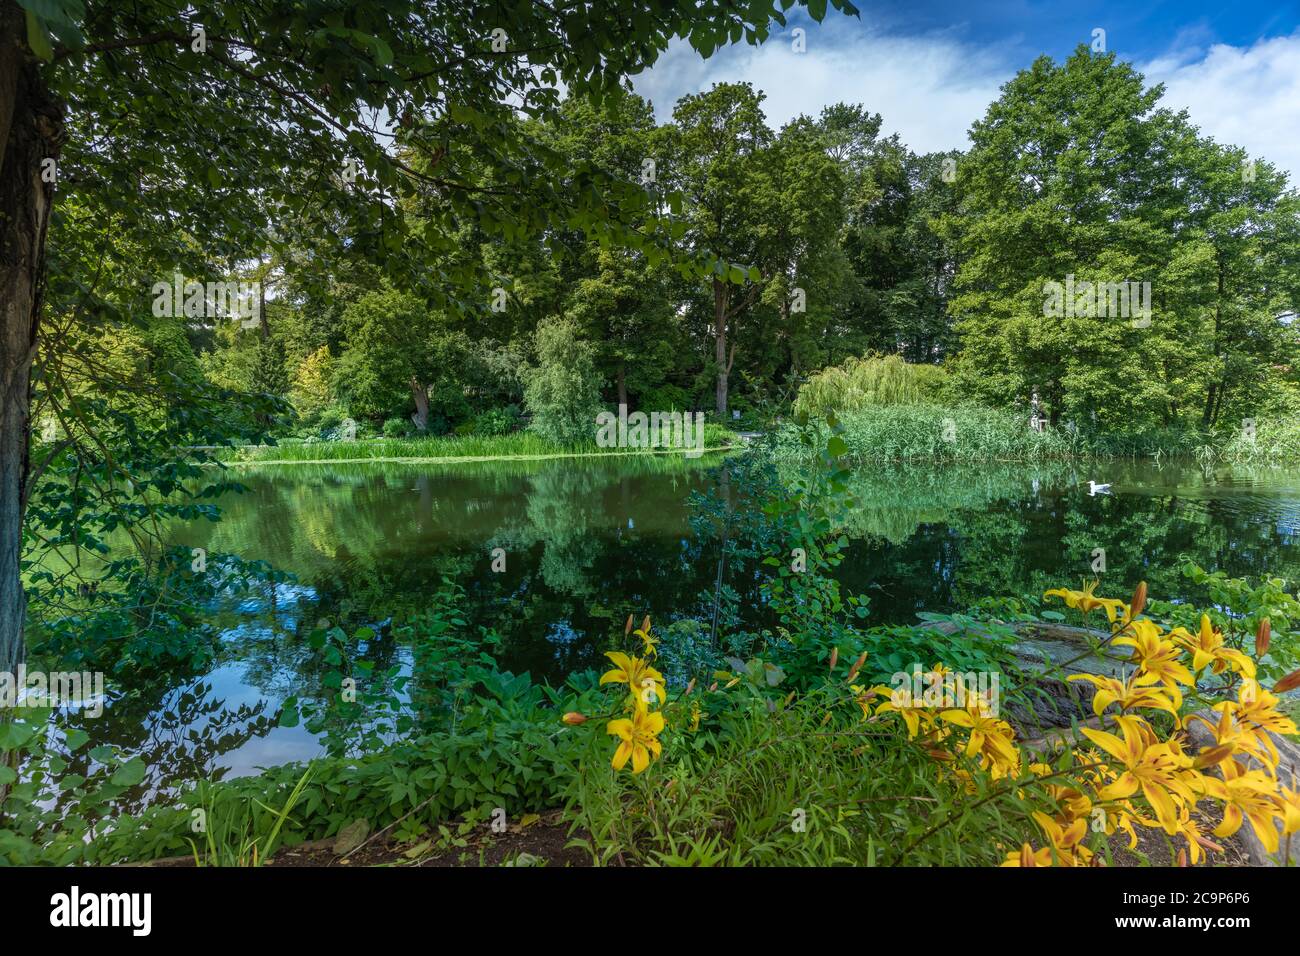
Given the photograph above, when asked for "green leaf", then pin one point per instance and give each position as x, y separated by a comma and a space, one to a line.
14, 735
130, 774
289, 715
38, 39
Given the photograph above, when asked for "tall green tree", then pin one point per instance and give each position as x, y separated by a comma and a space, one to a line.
721, 141
1077, 177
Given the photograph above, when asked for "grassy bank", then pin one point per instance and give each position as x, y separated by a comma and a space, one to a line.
447, 448
968, 433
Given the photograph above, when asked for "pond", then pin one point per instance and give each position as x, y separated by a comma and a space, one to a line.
584, 542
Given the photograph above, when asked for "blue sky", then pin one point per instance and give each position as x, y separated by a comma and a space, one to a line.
931, 68
1144, 29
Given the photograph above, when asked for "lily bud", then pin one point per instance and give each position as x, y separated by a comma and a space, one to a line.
1289, 682
628, 628
857, 665
645, 625
1139, 600
1262, 637
573, 718
835, 657
689, 687
1212, 756
713, 687
1182, 857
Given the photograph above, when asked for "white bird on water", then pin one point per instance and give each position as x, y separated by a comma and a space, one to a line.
1095, 489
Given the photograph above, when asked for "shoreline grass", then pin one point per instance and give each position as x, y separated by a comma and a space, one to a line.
468, 459
967, 433
451, 449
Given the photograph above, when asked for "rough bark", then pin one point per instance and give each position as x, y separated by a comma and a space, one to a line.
31, 130
420, 395
720, 344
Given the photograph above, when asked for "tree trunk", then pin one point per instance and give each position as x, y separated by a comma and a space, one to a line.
264, 327
1207, 416
31, 130
421, 396
622, 384
720, 343
1214, 396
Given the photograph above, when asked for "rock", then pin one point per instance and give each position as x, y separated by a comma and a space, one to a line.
351, 836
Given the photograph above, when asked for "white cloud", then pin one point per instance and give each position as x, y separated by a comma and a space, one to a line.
930, 88
1241, 96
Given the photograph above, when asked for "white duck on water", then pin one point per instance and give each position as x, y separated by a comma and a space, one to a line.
1096, 489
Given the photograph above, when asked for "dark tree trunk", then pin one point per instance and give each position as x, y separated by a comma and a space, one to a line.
720, 343
31, 130
264, 327
622, 383
1214, 396
421, 396
1207, 416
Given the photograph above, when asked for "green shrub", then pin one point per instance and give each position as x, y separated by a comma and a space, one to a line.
562, 392
874, 381
330, 419
963, 433
495, 422
665, 398
397, 428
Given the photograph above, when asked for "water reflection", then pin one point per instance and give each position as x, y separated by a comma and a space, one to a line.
587, 542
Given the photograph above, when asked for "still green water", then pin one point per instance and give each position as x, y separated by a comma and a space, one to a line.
588, 541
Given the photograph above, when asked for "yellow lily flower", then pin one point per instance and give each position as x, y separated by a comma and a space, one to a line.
1156, 657
1238, 738
649, 641
1085, 601
1288, 804
1130, 695
1153, 766
1207, 649
1197, 842
1255, 711
990, 738
864, 697
1247, 795
912, 715
697, 714
1074, 804
1028, 856
638, 675
1067, 839
639, 738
